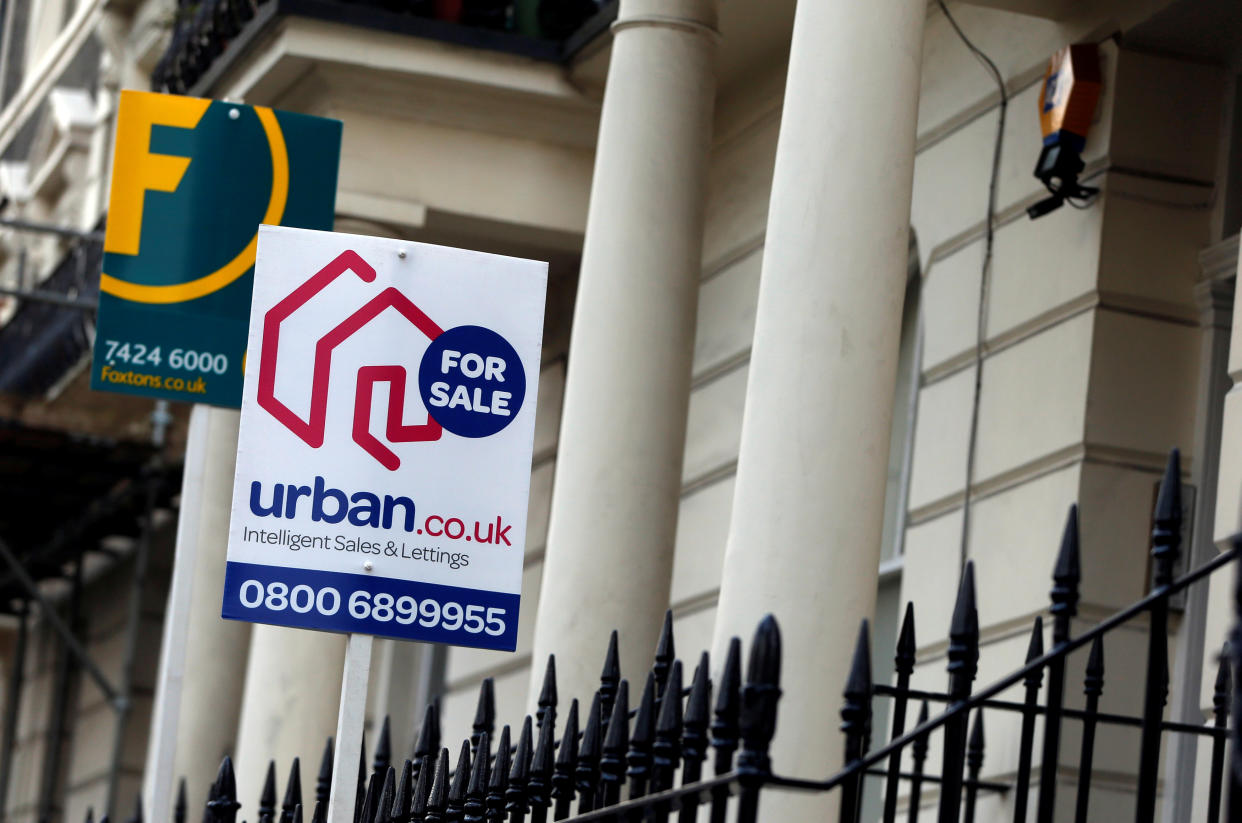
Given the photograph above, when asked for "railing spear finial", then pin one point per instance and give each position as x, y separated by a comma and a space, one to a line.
437, 801
516, 800
903, 660
476, 792
1066, 576
642, 737
664, 655
694, 737
586, 773
616, 741
484, 715
267, 798
499, 779
539, 788
461, 782
422, 789
609, 678
1165, 537
724, 728
223, 805
566, 763
383, 748
855, 720
666, 751
365, 811
404, 792
293, 792
547, 693
757, 719
1092, 689
1167, 532
918, 757
974, 764
387, 796
323, 781
428, 742
360, 795
963, 657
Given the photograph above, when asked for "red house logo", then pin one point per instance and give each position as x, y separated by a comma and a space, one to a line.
312, 431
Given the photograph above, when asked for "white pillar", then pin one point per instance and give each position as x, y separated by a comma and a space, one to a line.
293, 690
804, 539
618, 472
203, 657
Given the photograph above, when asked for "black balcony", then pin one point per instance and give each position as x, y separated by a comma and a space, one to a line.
210, 34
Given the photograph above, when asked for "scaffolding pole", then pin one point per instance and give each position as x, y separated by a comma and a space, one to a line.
48, 612
60, 704
49, 297
124, 701
13, 704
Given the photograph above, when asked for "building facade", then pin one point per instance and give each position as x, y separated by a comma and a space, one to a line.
797, 359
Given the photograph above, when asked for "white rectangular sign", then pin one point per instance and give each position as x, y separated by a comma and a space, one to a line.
388, 415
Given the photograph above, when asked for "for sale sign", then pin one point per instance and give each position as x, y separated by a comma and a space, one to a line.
383, 464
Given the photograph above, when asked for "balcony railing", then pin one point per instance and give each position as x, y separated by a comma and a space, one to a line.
208, 36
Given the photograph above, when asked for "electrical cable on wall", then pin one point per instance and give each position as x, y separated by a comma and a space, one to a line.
984, 275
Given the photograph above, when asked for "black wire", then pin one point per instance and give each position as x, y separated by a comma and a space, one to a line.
984, 274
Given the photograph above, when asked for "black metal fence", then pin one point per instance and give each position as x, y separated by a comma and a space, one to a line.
617, 759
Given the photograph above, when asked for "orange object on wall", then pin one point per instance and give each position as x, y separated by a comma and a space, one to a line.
1069, 96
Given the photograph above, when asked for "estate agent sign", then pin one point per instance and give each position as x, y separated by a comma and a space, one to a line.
383, 464
192, 180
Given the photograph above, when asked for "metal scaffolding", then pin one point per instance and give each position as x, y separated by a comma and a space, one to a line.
155, 486
139, 484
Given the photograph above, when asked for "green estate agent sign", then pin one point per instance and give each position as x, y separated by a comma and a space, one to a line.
192, 180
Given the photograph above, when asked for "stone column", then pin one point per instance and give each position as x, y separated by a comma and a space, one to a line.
1219, 618
618, 473
289, 708
203, 690
804, 539
1194, 663
211, 697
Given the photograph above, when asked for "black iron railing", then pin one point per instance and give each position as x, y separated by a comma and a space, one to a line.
210, 35
644, 760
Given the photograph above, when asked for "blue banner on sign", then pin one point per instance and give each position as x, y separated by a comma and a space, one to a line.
383, 606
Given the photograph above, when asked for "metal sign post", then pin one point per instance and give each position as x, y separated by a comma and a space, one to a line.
157, 791
349, 721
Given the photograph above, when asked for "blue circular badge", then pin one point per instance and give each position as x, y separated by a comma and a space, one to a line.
472, 381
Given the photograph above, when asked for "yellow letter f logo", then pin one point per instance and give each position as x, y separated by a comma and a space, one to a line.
135, 170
